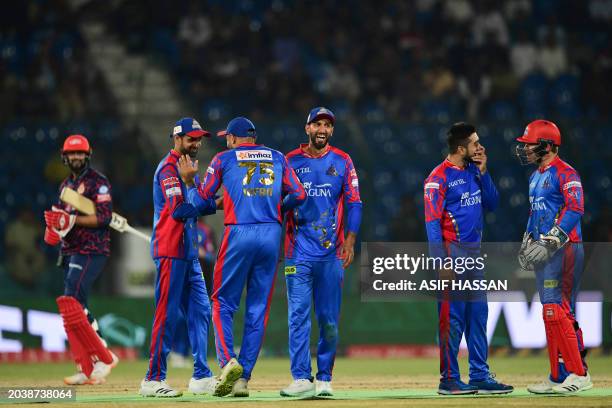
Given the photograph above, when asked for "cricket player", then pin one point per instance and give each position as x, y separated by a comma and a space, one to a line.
85, 247
317, 251
552, 245
259, 187
179, 284
456, 194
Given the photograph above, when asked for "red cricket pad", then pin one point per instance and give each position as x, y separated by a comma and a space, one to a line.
51, 237
562, 330
75, 321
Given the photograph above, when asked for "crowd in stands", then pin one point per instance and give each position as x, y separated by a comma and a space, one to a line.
413, 60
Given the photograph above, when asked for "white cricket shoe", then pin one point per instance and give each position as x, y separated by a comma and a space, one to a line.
545, 387
230, 373
159, 389
203, 385
323, 389
573, 384
299, 388
78, 379
102, 370
240, 389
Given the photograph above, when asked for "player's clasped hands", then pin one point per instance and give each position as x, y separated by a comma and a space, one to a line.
187, 169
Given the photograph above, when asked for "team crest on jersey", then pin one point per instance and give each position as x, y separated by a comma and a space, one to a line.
331, 171
81, 188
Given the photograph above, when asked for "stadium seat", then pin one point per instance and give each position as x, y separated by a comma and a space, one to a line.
532, 96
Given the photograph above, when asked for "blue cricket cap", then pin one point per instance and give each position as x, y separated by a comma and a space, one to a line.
320, 112
189, 127
239, 127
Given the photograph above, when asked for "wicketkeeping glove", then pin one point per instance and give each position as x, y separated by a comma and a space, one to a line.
540, 251
525, 265
60, 221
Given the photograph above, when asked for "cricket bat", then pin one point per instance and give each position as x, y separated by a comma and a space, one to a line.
87, 207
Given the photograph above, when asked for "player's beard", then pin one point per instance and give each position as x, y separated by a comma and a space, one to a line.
77, 165
319, 144
191, 152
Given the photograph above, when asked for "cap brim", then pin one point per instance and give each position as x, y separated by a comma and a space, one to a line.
522, 140
198, 133
323, 116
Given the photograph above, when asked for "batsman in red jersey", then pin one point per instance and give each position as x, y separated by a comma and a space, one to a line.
85, 247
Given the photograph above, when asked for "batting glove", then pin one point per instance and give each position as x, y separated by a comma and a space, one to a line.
51, 237
60, 221
542, 250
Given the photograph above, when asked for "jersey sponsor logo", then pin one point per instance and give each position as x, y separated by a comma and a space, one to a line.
571, 184
290, 270
355, 183
353, 173
468, 200
103, 189
103, 198
331, 171
319, 190
173, 191
457, 182
210, 170
432, 185
253, 155
538, 204
302, 170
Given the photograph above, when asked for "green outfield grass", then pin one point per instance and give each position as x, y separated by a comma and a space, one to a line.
357, 382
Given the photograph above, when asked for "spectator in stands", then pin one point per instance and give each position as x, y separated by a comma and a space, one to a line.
523, 55
489, 21
26, 262
551, 57
342, 83
439, 80
195, 30
474, 88
459, 12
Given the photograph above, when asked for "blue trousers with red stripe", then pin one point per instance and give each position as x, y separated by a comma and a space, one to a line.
456, 318
321, 281
464, 313
179, 286
558, 282
248, 256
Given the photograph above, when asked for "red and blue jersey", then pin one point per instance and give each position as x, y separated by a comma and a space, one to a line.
315, 229
82, 240
556, 198
175, 218
259, 184
454, 201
